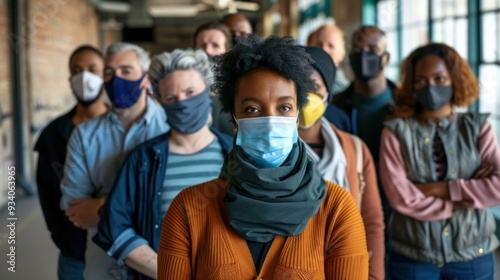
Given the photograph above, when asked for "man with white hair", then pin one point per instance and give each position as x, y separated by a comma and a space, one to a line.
97, 149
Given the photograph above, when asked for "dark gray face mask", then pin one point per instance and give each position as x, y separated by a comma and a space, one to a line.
434, 97
366, 65
189, 115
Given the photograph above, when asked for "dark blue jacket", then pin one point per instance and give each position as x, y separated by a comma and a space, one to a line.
338, 117
343, 101
132, 214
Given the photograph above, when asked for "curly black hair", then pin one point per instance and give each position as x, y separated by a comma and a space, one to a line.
279, 54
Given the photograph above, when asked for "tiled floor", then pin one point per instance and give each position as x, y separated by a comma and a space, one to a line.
36, 255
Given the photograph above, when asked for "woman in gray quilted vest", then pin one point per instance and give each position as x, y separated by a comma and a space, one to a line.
441, 171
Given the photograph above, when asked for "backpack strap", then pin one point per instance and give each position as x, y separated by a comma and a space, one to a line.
359, 166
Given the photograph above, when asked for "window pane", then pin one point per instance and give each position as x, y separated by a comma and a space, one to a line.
437, 9
490, 37
448, 8
497, 37
413, 38
414, 11
489, 100
437, 31
392, 45
387, 12
488, 4
448, 31
392, 72
423, 34
408, 44
460, 7
461, 34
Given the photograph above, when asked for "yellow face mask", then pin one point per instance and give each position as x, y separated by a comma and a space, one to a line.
313, 110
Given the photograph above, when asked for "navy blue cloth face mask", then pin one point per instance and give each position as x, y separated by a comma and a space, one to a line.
123, 93
189, 115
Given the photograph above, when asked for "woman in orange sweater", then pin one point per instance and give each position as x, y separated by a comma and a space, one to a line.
269, 215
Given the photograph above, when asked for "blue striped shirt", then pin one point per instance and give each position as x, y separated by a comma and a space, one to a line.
97, 149
187, 170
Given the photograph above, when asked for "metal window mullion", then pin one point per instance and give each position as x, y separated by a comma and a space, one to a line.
475, 42
399, 30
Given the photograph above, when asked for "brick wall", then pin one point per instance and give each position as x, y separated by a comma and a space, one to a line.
55, 28
6, 148
52, 29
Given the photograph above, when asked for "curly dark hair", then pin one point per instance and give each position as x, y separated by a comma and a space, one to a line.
279, 54
465, 84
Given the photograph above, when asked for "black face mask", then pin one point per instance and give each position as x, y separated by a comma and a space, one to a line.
366, 65
434, 97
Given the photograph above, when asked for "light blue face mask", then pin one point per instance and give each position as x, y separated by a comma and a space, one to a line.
267, 140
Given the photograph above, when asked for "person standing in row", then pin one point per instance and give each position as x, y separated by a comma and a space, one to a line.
441, 171
330, 38
369, 99
97, 149
86, 66
337, 154
270, 214
157, 170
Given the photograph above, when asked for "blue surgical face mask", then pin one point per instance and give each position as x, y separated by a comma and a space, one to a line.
267, 141
123, 93
189, 115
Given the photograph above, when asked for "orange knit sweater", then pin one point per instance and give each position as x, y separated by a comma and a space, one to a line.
197, 241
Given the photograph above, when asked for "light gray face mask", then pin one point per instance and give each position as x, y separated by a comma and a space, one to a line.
86, 86
434, 97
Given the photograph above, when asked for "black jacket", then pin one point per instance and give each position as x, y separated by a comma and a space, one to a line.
51, 148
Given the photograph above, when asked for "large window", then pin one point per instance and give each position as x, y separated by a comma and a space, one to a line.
450, 23
412, 23
489, 67
387, 20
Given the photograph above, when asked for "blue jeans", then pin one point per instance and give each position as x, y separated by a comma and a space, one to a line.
480, 268
70, 268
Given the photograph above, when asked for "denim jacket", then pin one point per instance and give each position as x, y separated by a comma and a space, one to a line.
469, 232
132, 214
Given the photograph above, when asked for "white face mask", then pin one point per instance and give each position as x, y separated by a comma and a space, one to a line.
86, 86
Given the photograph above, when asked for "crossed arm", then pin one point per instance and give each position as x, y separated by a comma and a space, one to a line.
436, 201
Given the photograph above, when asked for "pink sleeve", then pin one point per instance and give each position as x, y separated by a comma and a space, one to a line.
402, 194
485, 192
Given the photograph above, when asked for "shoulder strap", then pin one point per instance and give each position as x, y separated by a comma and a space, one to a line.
359, 166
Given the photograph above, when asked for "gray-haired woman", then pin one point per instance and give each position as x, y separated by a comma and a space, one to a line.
157, 170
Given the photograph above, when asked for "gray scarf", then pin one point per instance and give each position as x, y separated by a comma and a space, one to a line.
262, 203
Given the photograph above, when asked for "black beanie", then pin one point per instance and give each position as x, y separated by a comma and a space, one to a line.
323, 63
